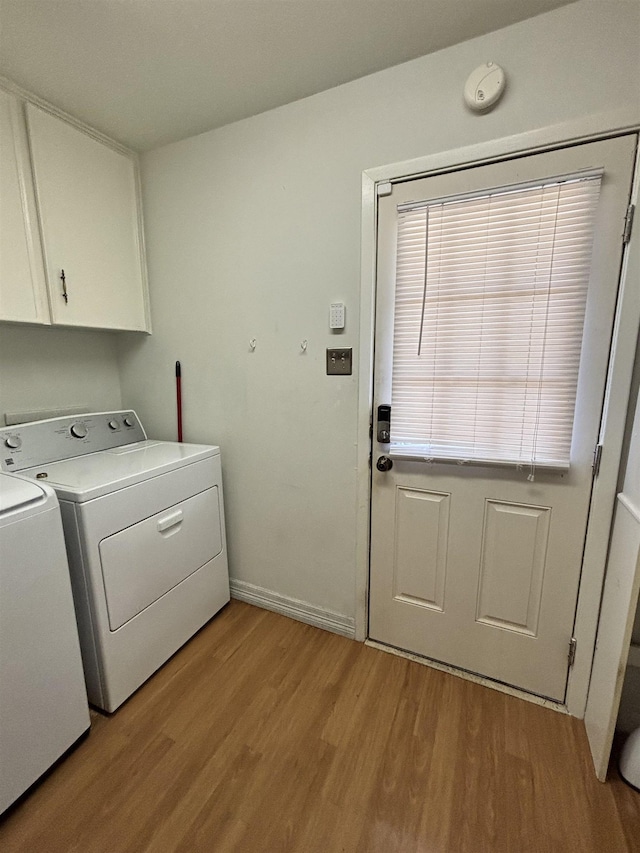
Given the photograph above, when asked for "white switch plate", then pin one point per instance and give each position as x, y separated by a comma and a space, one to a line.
336, 315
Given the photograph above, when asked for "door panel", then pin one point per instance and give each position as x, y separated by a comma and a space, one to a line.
477, 565
512, 564
420, 559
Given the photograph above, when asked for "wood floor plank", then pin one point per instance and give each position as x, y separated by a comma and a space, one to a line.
264, 735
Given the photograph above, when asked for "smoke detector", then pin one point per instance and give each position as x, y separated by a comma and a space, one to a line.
484, 87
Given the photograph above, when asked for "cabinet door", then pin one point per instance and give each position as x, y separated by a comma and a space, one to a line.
22, 287
88, 207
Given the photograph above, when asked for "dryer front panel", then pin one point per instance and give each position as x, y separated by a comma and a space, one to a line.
145, 561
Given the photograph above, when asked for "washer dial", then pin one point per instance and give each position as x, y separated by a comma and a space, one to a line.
78, 430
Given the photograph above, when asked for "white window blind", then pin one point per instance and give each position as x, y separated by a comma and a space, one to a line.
489, 309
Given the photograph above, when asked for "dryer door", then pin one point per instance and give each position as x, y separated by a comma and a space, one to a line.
145, 561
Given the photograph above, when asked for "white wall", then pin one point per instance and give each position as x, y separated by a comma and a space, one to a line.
253, 229
45, 368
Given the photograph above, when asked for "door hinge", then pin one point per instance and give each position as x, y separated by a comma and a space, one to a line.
572, 651
597, 456
628, 223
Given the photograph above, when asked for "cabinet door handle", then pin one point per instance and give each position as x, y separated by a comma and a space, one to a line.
63, 279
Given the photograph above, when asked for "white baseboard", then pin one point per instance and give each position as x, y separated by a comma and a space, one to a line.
294, 609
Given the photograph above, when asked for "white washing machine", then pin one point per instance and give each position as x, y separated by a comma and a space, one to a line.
144, 527
43, 701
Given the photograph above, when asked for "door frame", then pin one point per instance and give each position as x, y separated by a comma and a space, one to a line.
615, 413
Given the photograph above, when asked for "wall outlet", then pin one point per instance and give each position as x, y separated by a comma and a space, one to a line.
339, 361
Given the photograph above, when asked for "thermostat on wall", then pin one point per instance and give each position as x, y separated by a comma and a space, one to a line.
484, 86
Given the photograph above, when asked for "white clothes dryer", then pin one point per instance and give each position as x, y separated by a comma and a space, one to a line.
43, 701
145, 534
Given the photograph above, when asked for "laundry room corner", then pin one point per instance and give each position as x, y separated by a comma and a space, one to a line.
320, 425
235, 304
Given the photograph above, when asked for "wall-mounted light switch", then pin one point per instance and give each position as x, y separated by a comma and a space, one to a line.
339, 361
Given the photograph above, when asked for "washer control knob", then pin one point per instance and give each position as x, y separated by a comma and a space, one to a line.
113, 424
13, 441
79, 431
128, 422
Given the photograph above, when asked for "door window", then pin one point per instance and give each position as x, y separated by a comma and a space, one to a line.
489, 310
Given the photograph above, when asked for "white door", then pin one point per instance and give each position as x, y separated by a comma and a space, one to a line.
498, 285
619, 604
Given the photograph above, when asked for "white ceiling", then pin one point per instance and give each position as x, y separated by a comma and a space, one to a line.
148, 72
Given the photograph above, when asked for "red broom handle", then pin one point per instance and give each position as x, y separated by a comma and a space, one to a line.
179, 398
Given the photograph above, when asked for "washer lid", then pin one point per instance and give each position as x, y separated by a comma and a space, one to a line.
95, 474
16, 492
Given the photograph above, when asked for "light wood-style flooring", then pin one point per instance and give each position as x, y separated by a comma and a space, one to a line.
264, 734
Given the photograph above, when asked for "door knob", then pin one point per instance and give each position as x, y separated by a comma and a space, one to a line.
384, 463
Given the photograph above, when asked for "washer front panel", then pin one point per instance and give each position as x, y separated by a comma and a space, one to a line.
147, 560
118, 661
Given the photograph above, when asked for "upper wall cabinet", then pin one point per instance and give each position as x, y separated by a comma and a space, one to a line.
88, 205
23, 295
